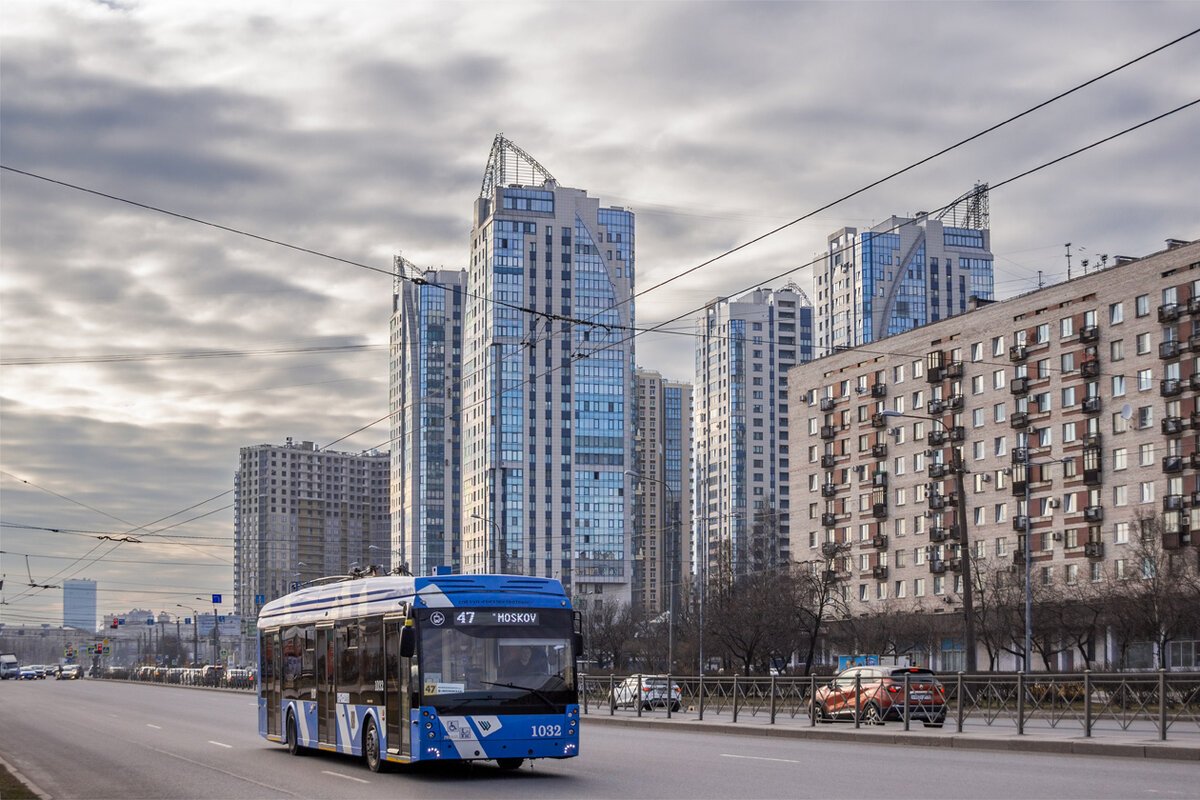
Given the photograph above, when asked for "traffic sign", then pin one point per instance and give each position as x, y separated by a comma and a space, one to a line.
216, 599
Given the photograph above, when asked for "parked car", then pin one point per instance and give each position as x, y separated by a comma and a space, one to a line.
881, 697
69, 672
653, 694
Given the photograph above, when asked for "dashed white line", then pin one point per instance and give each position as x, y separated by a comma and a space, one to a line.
341, 775
762, 758
220, 744
152, 725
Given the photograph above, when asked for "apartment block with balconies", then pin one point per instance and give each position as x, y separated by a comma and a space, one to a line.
1074, 409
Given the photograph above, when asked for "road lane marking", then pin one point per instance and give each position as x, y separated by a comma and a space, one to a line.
763, 758
220, 744
152, 725
340, 775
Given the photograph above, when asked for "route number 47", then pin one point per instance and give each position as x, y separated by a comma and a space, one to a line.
465, 618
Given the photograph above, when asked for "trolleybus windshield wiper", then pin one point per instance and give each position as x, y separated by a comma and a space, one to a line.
536, 692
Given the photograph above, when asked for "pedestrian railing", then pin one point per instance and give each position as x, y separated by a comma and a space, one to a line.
1154, 704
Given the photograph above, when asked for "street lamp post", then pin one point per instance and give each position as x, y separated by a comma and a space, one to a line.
195, 631
1028, 552
959, 468
668, 562
495, 541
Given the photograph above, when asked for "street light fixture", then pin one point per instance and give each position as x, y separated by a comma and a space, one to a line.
958, 467
495, 541
669, 561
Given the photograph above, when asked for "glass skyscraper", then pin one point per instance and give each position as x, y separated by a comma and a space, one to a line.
744, 348
547, 382
79, 604
902, 274
425, 402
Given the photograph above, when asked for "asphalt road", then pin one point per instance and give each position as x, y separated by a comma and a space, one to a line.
97, 739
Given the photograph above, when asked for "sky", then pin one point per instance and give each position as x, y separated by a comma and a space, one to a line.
139, 351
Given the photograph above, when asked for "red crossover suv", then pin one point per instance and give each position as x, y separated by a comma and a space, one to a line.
881, 696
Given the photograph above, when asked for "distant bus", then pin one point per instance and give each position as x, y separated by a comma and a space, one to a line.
403, 669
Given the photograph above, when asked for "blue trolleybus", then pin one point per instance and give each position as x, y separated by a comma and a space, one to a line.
402, 669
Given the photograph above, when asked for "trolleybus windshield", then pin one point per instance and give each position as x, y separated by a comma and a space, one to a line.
498, 661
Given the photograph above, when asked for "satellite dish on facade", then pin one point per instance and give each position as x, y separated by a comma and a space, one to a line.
1126, 411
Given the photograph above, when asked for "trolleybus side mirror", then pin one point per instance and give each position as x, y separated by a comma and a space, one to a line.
408, 641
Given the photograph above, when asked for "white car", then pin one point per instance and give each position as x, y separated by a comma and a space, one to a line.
647, 691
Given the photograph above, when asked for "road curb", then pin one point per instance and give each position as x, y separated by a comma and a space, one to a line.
1026, 743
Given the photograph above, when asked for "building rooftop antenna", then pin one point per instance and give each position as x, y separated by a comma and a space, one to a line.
509, 164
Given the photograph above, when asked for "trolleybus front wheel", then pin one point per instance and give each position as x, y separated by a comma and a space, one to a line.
370, 748
293, 744
510, 763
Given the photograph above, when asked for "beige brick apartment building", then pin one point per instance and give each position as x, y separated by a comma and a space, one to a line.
1103, 370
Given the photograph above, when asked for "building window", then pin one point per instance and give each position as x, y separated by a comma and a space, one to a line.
1142, 305
1116, 313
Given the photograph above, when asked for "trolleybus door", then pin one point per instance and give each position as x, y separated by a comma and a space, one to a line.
271, 674
326, 707
395, 686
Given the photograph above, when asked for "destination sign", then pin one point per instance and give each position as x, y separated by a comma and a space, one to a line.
496, 618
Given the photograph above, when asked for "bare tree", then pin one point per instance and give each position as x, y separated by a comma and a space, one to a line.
1154, 590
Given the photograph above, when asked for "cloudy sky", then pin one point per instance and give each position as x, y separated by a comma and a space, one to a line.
362, 129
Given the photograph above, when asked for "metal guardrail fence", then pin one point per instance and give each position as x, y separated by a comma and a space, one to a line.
1153, 703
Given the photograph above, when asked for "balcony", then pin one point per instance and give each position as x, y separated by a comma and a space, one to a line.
1089, 334
1093, 549
1172, 426
1019, 522
955, 402
1091, 405
937, 502
879, 573
1093, 513
1194, 460
1092, 476
1169, 387
828, 432
937, 566
1193, 342
1194, 498
1194, 382
958, 434
955, 564
935, 374
936, 438
1089, 368
879, 541
1173, 540
1173, 502
1019, 419
828, 460
1172, 463
828, 520
1018, 558
1168, 312
879, 450
1193, 305
830, 549
879, 480
954, 532
879, 510
936, 407
938, 534
938, 471
879, 390
1019, 386
1018, 352
954, 370
829, 490
1169, 350
878, 420
828, 404
830, 575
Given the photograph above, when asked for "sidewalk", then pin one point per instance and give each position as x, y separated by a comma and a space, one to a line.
1066, 738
